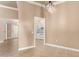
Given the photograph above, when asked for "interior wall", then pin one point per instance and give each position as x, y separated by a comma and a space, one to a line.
8, 14
26, 18
62, 27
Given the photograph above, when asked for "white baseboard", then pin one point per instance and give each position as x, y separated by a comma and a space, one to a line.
11, 38
2, 41
25, 48
62, 47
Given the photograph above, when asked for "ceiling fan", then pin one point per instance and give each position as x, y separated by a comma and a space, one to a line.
51, 6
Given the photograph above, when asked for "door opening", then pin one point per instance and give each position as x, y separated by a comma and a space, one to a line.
12, 28
39, 29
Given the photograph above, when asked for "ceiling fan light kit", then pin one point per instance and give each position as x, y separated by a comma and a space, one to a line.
50, 7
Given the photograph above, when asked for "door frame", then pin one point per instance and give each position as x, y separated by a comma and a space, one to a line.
35, 31
10, 21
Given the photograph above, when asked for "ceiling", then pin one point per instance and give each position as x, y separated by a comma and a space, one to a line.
9, 3
44, 2
14, 4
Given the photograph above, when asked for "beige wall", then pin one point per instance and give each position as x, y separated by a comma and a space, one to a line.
62, 27
7, 13
26, 17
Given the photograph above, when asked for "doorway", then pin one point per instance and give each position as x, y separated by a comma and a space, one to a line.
8, 37
12, 29
39, 30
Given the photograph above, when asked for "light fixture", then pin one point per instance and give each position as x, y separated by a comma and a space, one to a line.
50, 7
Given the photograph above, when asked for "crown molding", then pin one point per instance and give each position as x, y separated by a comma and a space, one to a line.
7, 7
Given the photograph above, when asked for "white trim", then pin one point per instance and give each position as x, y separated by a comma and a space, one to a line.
45, 32
34, 33
11, 38
2, 41
25, 48
62, 47
35, 3
11, 8
6, 31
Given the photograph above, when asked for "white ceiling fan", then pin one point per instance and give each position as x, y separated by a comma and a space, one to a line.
51, 6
